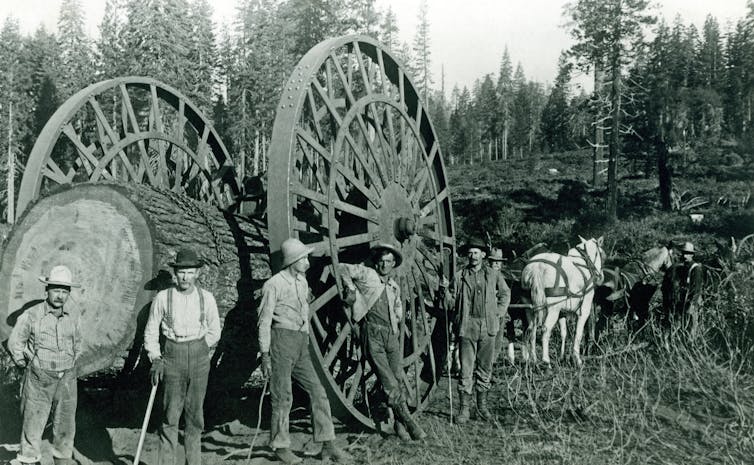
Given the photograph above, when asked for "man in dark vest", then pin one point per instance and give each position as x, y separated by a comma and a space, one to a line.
682, 290
479, 296
187, 317
46, 341
375, 296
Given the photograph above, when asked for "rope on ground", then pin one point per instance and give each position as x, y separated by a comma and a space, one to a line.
259, 424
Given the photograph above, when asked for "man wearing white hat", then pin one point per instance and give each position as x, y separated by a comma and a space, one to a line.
682, 290
187, 317
284, 346
46, 341
373, 295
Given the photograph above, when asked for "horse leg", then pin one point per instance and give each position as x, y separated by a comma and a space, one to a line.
550, 320
586, 309
562, 324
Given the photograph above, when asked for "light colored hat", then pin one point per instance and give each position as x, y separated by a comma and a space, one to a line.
60, 275
385, 247
293, 251
496, 255
688, 247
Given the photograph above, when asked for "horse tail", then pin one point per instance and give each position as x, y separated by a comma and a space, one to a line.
532, 278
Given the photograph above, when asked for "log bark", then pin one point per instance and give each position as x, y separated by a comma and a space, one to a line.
119, 240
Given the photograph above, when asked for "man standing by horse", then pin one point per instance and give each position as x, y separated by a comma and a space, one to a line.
495, 260
682, 290
187, 317
479, 296
374, 295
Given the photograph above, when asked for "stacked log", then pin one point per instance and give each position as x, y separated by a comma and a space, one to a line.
118, 240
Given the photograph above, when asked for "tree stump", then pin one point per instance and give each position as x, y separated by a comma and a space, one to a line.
118, 239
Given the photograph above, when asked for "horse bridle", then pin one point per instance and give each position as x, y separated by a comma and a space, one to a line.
590, 265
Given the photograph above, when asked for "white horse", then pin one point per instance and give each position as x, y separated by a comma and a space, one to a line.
565, 284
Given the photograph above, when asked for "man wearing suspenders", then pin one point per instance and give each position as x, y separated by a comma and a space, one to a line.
682, 290
46, 341
187, 317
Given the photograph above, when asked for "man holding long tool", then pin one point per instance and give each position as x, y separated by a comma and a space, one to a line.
284, 346
187, 316
374, 293
478, 296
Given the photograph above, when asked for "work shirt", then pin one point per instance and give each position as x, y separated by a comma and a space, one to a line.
682, 285
285, 304
477, 299
496, 297
184, 322
370, 286
50, 341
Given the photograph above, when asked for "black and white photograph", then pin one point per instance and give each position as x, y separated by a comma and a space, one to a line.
378, 232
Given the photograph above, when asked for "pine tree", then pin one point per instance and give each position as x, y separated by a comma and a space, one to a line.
389, 30
76, 66
505, 98
610, 32
202, 59
556, 113
109, 48
422, 52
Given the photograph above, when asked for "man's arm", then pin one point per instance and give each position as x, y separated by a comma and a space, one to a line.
352, 275
503, 294
19, 338
213, 320
77, 338
266, 307
152, 329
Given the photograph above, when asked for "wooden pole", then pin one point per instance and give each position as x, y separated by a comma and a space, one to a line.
11, 167
144, 425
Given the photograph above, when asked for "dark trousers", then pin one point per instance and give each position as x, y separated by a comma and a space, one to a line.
185, 384
384, 351
42, 391
289, 354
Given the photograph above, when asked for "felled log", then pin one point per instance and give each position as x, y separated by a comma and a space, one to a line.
118, 240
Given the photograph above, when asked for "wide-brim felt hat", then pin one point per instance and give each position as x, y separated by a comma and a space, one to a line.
496, 255
474, 244
187, 258
294, 250
385, 247
688, 248
60, 275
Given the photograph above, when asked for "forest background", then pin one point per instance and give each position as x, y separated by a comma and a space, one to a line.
658, 86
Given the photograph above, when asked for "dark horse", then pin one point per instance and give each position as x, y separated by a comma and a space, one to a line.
628, 290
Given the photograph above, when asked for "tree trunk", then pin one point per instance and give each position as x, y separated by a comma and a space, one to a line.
664, 175
118, 241
614, 150
599, 138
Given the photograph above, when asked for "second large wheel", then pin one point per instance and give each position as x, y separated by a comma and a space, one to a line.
355, 161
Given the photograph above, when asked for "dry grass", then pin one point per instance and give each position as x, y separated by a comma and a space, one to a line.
690, 401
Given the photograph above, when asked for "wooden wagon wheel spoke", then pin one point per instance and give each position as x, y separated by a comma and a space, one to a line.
119, 149
360, 164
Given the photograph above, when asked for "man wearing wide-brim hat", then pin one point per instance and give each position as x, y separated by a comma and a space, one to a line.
46, 341
374, 296
186, 315
284, 347
682, 290
479, 296
495, 259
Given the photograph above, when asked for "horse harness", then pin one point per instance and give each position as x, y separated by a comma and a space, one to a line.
564, 290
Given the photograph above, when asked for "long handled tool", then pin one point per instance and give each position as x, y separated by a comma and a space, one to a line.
144, 425
259, 424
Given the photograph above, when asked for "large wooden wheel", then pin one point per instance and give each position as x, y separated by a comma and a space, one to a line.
133, 130
355, 161
125, 172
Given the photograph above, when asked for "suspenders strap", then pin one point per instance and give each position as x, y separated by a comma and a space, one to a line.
169, 312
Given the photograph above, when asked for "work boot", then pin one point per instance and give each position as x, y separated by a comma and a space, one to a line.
334, 453
465, 410
62, 461
285, 455
413, 427
400, 430
482, 411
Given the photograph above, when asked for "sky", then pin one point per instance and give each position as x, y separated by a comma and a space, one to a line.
468, 37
